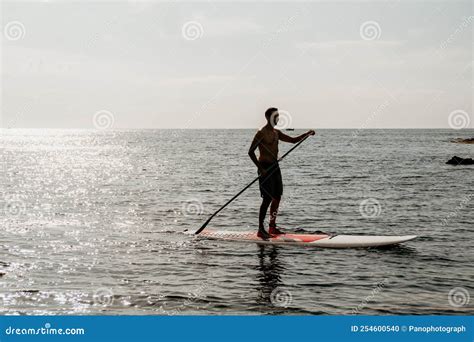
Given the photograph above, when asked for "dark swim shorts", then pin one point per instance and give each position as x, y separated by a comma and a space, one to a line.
271, 185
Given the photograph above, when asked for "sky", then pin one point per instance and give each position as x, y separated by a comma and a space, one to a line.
216, 64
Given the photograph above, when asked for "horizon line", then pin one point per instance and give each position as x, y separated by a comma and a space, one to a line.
223, 128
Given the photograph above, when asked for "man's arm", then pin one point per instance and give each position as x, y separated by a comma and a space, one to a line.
286, 138
255, 142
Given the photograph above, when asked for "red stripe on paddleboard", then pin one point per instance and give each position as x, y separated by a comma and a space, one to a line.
306, 238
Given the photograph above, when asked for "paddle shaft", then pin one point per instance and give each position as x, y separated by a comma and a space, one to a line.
248, 186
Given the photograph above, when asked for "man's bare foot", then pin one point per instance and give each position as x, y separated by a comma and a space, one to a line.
262, 234
275, 231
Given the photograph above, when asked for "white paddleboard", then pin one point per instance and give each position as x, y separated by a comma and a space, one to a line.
319, 240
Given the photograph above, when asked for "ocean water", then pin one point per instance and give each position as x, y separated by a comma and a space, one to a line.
94, 222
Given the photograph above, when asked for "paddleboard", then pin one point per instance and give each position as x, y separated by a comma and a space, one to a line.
318, 240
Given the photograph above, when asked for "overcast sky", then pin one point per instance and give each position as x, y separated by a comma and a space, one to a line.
392, 64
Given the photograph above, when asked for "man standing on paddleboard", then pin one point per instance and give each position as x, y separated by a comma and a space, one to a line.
271, 185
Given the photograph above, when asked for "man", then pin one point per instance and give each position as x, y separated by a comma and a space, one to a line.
271, 185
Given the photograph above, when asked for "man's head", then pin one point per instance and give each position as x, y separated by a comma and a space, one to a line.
271, 114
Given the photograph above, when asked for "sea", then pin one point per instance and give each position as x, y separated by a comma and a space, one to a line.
101, 222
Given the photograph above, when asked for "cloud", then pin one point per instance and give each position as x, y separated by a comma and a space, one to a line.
218, 27
208, 79
337, 44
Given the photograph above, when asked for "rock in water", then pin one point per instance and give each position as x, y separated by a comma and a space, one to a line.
460, 161
463, 141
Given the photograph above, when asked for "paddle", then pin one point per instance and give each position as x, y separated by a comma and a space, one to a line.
248, 186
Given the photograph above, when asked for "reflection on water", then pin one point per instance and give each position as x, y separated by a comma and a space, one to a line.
269, 277
92, 222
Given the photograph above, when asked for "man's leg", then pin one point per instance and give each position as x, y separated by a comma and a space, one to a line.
273, 214
261, 217
274, 211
